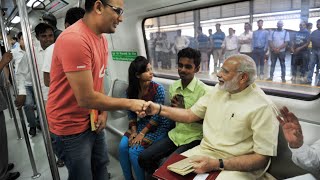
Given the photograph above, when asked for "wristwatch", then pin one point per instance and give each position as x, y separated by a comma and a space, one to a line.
221, 165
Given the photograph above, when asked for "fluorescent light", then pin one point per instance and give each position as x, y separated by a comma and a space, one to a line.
15, 20
30, 2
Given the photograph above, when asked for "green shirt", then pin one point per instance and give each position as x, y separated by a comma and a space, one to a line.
185, 133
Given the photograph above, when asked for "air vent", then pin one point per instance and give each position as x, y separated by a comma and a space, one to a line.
171, 5
56, 5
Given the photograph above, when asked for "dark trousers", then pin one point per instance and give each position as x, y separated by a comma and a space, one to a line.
3, 147
274, 57
300, 59
258, 57
152, 157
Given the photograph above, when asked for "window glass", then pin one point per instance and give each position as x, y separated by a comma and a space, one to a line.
297, 72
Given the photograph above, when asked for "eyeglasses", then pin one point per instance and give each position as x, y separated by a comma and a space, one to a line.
224, 71
118, 10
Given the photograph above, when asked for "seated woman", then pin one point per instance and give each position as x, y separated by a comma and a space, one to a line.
142, 132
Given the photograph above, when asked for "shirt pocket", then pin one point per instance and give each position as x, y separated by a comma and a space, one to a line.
234, 129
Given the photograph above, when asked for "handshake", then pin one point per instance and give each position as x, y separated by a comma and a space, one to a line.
143, 108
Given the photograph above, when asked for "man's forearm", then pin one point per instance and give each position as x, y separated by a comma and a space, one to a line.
178, 114
244, 163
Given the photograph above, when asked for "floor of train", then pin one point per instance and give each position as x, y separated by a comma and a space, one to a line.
18, 155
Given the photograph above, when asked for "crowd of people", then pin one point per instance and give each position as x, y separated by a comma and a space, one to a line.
232, 127
303, 47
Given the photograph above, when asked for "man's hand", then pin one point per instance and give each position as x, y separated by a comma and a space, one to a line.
176, 103
20, 100
137, 105
102, 122
150, 108
7, 57
291, 128
203, 164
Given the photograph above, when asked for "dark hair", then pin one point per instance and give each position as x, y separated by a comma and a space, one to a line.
250, 27
88, 6
41, 28
137, 67
14, 38
191, 54
74, 14
218, 24
19, 35
200, 28
52, 20
318, 20
309, 24
260, 20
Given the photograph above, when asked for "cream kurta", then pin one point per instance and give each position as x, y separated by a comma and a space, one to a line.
235, 125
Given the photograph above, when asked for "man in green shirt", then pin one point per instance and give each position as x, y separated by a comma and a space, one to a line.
183, 94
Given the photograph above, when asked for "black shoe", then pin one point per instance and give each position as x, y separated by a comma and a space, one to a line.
10, 167
13, 176
60, 163
39, 127
32, 131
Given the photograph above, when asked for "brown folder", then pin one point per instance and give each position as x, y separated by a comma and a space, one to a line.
164, 173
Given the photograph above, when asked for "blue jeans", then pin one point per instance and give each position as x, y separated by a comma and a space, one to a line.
301, 58
29, 107
274, 57
129, 156
85, 154
151, 158
258, 57
314, 59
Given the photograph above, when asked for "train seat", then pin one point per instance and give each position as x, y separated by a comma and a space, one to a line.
281, 166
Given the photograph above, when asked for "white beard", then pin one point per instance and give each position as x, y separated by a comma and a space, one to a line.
231, 85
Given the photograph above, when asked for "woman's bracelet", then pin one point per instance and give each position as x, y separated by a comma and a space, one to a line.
159, 109
142, 133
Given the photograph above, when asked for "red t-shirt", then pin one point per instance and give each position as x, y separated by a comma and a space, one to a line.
76, 49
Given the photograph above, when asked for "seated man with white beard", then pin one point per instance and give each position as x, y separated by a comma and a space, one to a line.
240, 128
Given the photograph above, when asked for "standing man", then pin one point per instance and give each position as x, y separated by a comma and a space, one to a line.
203, 45
245, 40
4, 166
240, 128
260, 48
315, 55
76, 91
180, 42
278, 41
26, 98
230, 44
300, 51
183, 93
216, 40
52, 21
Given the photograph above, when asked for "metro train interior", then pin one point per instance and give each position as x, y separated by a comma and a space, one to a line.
143, 21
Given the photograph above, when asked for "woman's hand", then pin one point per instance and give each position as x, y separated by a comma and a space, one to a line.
138, 139
132, 136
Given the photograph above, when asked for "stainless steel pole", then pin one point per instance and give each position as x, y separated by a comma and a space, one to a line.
37, 86
79, 3
21, 115
10, 104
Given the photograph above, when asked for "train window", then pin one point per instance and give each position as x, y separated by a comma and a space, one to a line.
218, 32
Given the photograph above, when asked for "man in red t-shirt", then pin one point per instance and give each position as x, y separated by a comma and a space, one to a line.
76, 88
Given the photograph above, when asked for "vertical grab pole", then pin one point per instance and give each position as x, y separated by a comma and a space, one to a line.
79, 3
37, 87
21, 115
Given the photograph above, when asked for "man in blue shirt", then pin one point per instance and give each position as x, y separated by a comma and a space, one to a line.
216, 40
203, 46
260, 47
300, 51
315, 55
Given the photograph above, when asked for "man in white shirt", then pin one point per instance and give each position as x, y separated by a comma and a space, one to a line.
72, 16
305, 156
180, 42
245, 40
230, 44
44, 33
